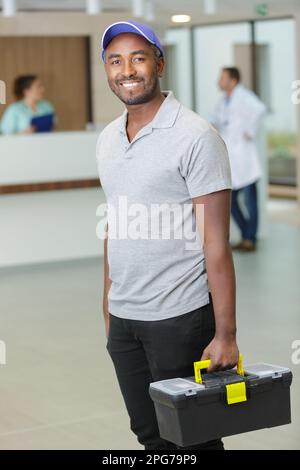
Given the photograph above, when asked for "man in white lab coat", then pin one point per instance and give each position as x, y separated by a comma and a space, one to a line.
237, 117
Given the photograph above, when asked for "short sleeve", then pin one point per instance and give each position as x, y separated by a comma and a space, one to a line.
8, 122
206, 168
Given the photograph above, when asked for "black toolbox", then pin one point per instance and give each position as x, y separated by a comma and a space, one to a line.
221, 403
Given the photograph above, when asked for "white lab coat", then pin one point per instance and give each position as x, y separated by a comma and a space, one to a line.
233, 119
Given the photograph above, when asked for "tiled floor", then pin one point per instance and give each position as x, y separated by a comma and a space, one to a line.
58, 389
284, 211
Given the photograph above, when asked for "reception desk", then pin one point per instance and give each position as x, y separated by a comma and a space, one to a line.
37, 158
49, 192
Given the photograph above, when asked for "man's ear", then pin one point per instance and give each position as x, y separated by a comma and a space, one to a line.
160, 67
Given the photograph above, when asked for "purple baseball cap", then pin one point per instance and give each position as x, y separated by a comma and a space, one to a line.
129, 27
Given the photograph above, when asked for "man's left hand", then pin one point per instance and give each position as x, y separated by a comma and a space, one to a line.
222, 352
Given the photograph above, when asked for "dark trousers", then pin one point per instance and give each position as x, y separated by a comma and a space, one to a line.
246, 223
146, 351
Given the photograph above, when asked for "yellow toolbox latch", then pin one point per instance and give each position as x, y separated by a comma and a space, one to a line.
236, 393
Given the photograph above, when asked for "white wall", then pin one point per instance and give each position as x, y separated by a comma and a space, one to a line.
181, 39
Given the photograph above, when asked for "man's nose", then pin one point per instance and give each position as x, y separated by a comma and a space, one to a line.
129, 69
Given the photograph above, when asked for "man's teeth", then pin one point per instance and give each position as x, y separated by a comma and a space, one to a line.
130, 84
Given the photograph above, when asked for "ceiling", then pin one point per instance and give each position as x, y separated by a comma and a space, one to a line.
166, 8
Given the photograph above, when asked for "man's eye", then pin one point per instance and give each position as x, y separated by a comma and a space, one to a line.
115, 62
139, 59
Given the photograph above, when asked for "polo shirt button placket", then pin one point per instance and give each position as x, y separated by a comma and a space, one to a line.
127, 148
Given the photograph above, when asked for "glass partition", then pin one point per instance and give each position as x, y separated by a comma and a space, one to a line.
278, 39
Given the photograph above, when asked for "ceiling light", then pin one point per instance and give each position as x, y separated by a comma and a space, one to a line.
149, 10
138, 8
181, 18
8, 7
210, 7
93, 7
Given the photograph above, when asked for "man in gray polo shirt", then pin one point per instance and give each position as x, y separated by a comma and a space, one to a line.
169, 295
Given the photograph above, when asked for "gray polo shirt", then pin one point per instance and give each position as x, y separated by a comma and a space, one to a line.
157, 268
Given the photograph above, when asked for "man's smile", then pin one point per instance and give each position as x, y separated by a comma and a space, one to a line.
130, 84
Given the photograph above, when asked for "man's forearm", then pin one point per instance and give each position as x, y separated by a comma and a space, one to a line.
107, 282
221, 280
222, 350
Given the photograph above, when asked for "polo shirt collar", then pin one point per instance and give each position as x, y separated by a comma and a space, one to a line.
167, 113
165, 116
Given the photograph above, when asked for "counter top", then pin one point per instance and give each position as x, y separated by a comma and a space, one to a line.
40, 158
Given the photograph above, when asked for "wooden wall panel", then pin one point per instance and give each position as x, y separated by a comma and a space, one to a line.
63, 65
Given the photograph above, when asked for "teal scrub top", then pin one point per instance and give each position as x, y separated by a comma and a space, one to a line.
17, 117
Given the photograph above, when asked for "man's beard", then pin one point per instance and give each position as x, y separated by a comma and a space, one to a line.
148, 93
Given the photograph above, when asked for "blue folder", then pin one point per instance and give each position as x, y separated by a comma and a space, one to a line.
43, 123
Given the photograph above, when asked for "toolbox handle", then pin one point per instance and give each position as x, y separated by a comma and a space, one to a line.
198, 366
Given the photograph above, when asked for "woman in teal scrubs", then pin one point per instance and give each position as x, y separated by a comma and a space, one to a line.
29, 92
